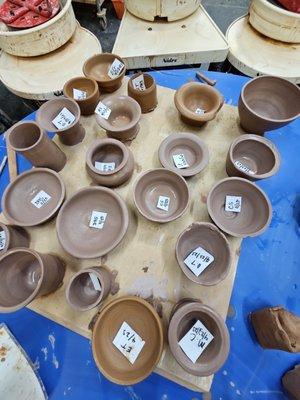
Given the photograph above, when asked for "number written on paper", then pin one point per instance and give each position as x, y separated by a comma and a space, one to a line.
242, 167
2, 240
105, 167
128, 342
199, 111
79, 94
198, 260
139, 83
163, 203
180, 161
97, 219
40, 199
233, 203
64, 119
103, 110
115, 69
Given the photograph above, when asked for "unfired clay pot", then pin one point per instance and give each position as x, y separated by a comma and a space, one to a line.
25, 275
147, 98
154, 183
109, 151
256, 209
291, 382
267, 103
208, 237
28, 139
198, 103
32, 185
186, 314
144, 320
13, 236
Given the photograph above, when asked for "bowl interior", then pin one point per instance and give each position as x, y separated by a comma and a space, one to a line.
192, 152
124, 111
81, 83
108, 153
200, 96
82, 292
97, 67
48, 111
24, 135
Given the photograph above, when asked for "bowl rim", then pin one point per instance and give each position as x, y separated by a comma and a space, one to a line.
141, 92
22, 123
72, 80
100, 55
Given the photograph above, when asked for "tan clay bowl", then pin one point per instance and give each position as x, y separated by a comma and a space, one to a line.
15, 236
141, 317
147, 98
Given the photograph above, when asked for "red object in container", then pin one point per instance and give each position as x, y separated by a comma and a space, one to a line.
291, 5
119, 7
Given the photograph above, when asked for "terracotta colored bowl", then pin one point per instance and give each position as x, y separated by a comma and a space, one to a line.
141, 317
147, 98
72, 223
13, 236
154, 183
194, 150
252, 157
267, 103
208, 237
16, 200
256, 210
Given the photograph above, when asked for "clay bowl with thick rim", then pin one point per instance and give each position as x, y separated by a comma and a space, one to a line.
256, 209
154, 183
207, 236
147, 98
252, 157
144, 320
16, 200
72, 224
14, 236
193, 96
267, 103
194, 150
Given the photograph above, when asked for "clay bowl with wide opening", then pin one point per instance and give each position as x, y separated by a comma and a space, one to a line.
34, 197
267, 103
147, 98
12, 236
256, 210
183, 153
92, 222
144, 320
161, 195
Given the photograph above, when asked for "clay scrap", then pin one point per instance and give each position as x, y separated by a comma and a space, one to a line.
291, 383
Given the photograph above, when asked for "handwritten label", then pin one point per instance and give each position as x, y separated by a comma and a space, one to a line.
79, 94
242, 167
180, 161
199, 111
128, 342
64, 119
115, 69
139, 83
40, 199
198, 260
233, 203
2, 240
105, 167
163, 203
98, 219
103, 110
95, 282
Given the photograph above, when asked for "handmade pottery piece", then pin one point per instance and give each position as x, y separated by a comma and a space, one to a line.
144, 320
116, 160
291, 383
34, 197
256, 210
146, 98
267, 103
161, 195
12, 236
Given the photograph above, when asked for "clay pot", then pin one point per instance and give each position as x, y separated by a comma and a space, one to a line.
123, 122
194, 150
90, 87
256, 209
252, 157
208, 237
36, 183
187, 313
97, 67
69, 136
154, 183
73, 228
28, 139
267, 103
193, 97
26, 275
13, 236
147, 98
109, 151
144, 320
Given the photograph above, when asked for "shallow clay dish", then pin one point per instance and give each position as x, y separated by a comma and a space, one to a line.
13, 236
16, 200
147, 98
194, 150
256, 209
144, 320
72, 223
154, 183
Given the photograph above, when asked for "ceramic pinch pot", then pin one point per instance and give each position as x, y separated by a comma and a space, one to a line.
12, 236
146, 98
197, 103
267, 103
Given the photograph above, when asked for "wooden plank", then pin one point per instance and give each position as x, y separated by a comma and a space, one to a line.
12, 163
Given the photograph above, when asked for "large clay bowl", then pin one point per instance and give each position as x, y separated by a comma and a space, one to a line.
72, 223
141, 317
17, 197
256, 210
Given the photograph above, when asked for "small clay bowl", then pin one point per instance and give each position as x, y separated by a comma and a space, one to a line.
147, 98
14, 236
252, 157
194, 150
193, 96
17, 197
72, 223
109, 151
267, 103
208, 237
123, 122
144, 320
256, 210
154, 183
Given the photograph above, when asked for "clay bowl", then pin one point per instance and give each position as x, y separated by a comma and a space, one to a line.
72, 223
267, 103
194, 150
252, 157
145, 321
208, 237
147, 98
13, 236
256, 210
154, 183
17, 197
109, 151
194, 96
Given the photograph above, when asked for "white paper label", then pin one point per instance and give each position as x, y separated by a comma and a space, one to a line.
199, 111
95, 282
196, 341
180, 161
198, 260
128, 342
2, 240
40, 199
103, 110
233, 203
98, 219
63, 119
115, 69
105, 167
139, 83
243, 167
163, 203
79, 94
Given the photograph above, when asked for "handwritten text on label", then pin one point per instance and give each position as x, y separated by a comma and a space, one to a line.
180, 161
163, 203
242, 167
198, 260
98, 219
103, 110
233, 203
2, 240
40, 199
139, 83
115, 69
79, 94
105, 167
128, 342
63, 119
